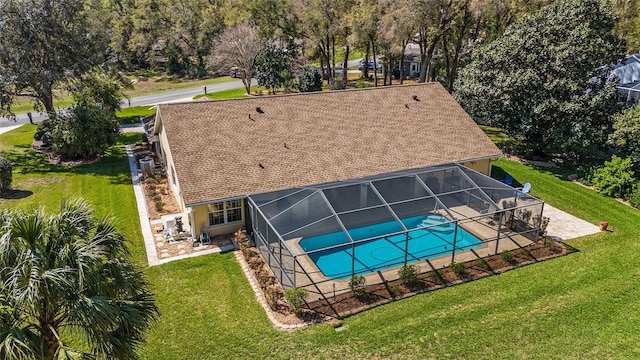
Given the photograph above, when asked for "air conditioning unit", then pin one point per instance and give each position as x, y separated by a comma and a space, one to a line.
147, 165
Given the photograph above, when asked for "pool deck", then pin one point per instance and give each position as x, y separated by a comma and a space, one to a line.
562, 226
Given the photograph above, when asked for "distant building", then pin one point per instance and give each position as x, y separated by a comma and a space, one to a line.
628, 72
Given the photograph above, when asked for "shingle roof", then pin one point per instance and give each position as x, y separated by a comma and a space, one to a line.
218, 147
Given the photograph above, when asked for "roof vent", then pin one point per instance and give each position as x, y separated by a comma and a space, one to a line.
415, 97
259, 110
261, 166
406, 105
286, 146
250, 118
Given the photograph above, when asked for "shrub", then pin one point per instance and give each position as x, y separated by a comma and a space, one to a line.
551, 244
310, 80
459, 269
361, 83
634, 198
585, 174
507, 256
525, 252
296, 298
437, 276
159, 205
156, 198
615, 178
408, 275
6, 175
482, 264
84, 133
394, 290
358, 285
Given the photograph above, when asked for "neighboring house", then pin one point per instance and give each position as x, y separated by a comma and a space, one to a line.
628, 72
412, 63
158, 53
217, 152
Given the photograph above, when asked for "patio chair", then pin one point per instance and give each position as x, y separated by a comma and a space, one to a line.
508, 180
522, 191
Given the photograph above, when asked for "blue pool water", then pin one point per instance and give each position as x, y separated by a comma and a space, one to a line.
387, 252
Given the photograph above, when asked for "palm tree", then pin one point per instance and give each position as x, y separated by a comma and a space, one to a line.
68, 290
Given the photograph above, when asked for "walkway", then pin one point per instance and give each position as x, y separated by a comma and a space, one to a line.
145, 221
564, 226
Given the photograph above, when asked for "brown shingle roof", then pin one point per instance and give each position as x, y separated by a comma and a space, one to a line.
218, 146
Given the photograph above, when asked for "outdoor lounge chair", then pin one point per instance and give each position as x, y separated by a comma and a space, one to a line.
508, 180
521, 191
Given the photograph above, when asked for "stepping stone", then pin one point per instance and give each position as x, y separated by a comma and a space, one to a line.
182, 252
164, 251
164, 255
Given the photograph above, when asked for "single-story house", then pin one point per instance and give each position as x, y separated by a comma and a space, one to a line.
216, 153
412, 62
628, 73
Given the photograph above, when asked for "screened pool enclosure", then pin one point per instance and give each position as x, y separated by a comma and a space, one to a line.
319, 236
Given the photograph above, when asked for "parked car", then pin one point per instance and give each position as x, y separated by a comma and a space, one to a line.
370, 65
234, 72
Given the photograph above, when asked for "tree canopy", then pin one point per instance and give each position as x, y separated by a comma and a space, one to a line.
68, 289
238, 47
270, 66
43, 44
310, 80
545, 81
83, 132
626, 134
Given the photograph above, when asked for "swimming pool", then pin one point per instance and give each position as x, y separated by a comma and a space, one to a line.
387, 252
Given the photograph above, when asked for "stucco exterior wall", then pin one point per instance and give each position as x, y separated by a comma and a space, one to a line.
167, 160
482, 166
201, 221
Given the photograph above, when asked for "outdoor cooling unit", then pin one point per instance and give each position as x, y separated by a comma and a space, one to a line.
147, 165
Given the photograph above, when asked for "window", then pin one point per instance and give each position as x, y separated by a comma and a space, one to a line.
225, 212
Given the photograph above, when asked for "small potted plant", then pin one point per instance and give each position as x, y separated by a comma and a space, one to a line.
603, 225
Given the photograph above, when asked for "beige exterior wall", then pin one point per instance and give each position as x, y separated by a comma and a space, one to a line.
482, 166
201, 221
167, 160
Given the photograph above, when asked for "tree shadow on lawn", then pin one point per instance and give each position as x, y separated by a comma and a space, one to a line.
560, 172
15, 194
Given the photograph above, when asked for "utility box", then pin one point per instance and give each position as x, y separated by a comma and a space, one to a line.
147, 165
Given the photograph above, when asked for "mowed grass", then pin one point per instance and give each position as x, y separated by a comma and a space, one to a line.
225, 94
133, 114
105, 184
153, 85
584, 305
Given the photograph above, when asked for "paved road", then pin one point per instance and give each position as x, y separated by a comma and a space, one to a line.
171, 96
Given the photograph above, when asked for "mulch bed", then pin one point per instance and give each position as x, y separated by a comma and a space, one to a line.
347, 304
54, 159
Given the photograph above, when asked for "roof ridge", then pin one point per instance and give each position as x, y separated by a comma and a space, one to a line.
316, 93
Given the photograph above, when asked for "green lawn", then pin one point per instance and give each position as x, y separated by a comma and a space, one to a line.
584, 305
132, 115
225, 94
155, 85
